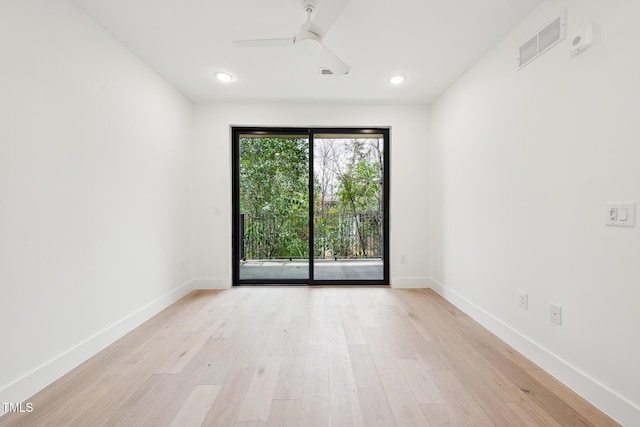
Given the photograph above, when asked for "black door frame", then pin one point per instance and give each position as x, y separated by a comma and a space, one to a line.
236, 243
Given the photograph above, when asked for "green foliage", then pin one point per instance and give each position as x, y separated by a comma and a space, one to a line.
360, 186
274, 197
274, 175
358, 172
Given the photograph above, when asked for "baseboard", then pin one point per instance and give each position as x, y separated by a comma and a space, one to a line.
410, 282
210, 283
34, 381
607, 400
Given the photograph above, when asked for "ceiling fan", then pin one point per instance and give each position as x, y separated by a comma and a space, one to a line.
308, 41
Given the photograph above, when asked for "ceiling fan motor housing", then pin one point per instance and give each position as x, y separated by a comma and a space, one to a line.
308, 43
309, 6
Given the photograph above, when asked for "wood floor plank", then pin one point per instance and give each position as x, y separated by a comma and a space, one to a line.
531, 389
421, 318
337, 350
240, 353
301, 300
285, 413
366, 316
309, 356
158, 400
487, 386
396, 343
316, 394
287, 340
374, 404
421, 381
225, 408
184, 350
228, 297
443, 415
257, 402
406, 410
460, 409
332, 316
290, 380
351, 325
345, 404
569, 397
533, 415
286, 307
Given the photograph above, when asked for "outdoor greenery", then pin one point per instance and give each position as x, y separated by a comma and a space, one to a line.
347, 197
274, 196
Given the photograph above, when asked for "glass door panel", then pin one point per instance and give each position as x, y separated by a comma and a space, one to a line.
349, 206
273, 224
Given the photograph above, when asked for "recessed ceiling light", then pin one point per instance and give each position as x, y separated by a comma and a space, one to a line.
396, 80
224, 77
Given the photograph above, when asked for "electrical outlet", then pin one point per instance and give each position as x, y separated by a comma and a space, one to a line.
555, 314
403, 259
181, 264
524, 300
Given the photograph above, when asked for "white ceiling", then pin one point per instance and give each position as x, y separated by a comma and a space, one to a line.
430, 42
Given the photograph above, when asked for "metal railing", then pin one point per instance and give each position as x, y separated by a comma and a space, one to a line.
337, 236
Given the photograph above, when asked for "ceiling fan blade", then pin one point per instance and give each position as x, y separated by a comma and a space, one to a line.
264, 42
335, 64
328, 13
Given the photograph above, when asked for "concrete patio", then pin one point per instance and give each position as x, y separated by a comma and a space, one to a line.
348, 269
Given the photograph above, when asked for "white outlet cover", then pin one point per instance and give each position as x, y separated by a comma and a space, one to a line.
524, 300
555, 314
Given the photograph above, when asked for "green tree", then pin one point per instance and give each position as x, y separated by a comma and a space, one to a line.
349, 180
274, 194
360, 189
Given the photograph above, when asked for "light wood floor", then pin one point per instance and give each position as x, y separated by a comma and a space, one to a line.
298, 356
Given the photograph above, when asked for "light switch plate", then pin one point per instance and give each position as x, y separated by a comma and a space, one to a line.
621, 214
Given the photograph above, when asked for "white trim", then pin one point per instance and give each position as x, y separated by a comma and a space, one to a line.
210, 283
607, 400
23, 388
410, 282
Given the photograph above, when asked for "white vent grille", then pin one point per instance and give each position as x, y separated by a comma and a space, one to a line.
550, 35
544, 40
528, 51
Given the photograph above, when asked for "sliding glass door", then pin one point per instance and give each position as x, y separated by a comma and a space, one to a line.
349, 204
310, 206
273, 201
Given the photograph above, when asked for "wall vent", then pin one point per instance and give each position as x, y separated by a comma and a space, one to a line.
544, 40
326, 72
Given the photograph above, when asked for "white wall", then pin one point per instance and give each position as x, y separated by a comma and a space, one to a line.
95, 151
522, 164
212, 190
